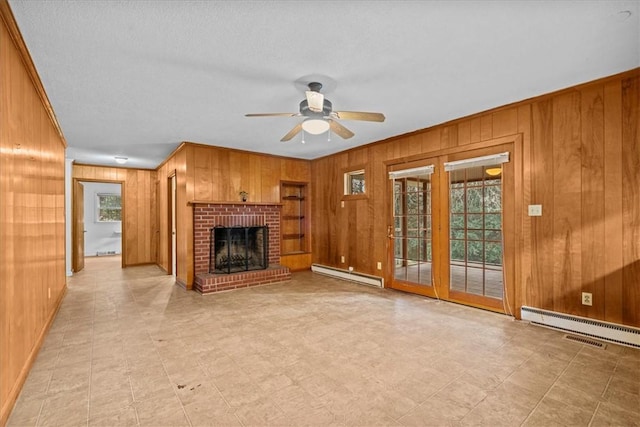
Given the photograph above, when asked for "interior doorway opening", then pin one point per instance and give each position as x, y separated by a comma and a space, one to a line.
98, 213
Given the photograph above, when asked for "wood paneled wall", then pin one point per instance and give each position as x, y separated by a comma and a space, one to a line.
32, 242
580, 160
215, 174
139, 225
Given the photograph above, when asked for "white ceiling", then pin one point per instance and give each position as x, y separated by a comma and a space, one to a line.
136, 78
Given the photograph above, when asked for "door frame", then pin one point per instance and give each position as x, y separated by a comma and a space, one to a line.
512, 232
420, 289
122, 202
172, 218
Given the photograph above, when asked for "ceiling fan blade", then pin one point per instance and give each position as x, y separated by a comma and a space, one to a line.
340, 130
293, 132
272, 115
315, 100
360, 115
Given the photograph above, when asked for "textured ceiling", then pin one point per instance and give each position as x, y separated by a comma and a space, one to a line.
136, 78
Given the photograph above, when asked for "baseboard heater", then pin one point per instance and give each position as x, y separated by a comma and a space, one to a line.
104, 253
611, 332
338, 273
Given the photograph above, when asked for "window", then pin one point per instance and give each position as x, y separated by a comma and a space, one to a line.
354, 182
108, 207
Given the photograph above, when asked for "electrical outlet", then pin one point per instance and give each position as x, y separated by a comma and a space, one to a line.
379, 265
342, 203
342, 259
587, 298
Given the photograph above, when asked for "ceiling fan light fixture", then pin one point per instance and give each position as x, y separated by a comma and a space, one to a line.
315, 126
494, 171
121, 160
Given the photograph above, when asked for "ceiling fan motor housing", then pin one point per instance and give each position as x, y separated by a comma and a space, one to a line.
306, 112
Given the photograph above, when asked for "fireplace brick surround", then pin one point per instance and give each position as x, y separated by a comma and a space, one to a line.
208, 215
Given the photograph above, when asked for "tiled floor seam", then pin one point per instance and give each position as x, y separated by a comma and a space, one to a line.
533, 410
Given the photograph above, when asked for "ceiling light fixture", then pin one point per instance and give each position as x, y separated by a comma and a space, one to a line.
315, 126
493, 171
121, 160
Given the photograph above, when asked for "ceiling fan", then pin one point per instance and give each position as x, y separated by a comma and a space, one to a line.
319, 116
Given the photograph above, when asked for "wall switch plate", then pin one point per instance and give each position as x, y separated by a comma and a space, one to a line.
587, 298
379, 265
535, 210
342, 259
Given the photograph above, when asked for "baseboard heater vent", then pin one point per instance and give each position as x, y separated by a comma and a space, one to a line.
103, 253
605, 331
364, 279
586, 341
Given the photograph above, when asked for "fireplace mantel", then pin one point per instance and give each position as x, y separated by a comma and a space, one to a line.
238, 202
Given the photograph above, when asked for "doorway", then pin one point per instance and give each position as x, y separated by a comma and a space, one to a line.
449, 227
97, 223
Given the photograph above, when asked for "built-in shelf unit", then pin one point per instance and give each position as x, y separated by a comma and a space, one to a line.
295, 225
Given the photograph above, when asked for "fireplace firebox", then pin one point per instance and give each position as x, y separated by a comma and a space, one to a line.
235, 249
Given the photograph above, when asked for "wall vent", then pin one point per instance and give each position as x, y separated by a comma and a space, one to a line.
352, 276
598, 329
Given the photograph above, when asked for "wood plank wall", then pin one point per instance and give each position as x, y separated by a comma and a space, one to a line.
32, 242
581, 161
139, 226
215, 174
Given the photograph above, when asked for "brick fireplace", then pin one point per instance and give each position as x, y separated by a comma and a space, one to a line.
209, 215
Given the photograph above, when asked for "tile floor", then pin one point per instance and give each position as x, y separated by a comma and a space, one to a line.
128, 348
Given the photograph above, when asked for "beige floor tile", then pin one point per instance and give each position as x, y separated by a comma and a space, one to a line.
128, 347
202, 414
551, 412
25, 413
121, 416
608, 415
165, 411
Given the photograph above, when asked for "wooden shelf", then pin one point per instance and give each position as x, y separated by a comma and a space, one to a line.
294, 227
293, 236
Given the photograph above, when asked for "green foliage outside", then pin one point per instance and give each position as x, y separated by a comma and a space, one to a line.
475, 215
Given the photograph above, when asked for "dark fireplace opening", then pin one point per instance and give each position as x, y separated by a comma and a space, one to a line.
235, 249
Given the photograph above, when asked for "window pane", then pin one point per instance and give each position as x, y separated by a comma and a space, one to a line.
475, 252
492, 199
474, 200
474, 221
493, 221
457, 221
457, 250
493, 253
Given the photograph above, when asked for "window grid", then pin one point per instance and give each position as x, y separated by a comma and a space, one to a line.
476, 232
